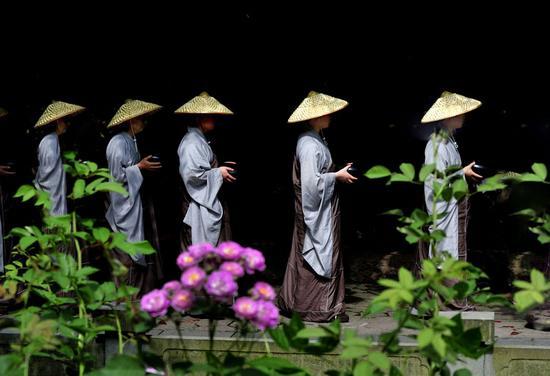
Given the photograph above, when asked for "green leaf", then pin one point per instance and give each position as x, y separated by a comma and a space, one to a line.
439, 345
86, 271
425, 337
78, 188
405, 278
526, 212
389, 283
26, 241
24, 190
425, 171
376, 307
92, 166
313, 332
538, 281
399, 178
540, 170
101, 234
11, 365
363, 368
279, 336
112, 187
62, 280
460, 188
397, 212
522, 285
408, 170
462, 372
121, 365
531, 178
69, 155
91, 188
380, 361
377, 172
144, 248
354, 352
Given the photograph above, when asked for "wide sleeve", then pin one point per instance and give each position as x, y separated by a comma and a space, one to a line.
126, 173
201, 181
48, 164
317, 186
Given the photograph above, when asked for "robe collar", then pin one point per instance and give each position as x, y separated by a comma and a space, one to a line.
198, 132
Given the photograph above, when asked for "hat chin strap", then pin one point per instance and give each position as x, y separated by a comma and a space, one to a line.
134, 137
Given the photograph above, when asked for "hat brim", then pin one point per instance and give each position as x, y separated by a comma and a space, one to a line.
61, 115
319, 113
129, 117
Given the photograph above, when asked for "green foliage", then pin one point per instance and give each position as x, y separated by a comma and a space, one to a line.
60, 294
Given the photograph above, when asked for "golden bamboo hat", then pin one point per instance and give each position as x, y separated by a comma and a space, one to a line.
57, 110
131, 109
449, 105
204, 104
3, 112
316, 105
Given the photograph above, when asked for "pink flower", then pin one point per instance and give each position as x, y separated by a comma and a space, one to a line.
233, 267
229, 251
171, 287
193, 278
198, 251
182, 300
263, 291
254, 260
245, 308
155, 303
221, 285
267, 315
185, 260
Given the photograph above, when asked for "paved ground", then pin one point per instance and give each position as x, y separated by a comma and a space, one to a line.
509, 328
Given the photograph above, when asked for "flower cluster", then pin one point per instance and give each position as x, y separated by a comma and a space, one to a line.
258, 308
212, 272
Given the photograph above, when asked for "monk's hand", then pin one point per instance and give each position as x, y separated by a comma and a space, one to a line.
470, 174
226, 174
344, 176
6, 170
146, 164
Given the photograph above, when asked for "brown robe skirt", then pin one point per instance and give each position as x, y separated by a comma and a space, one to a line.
149, 277
225, 232
312, 297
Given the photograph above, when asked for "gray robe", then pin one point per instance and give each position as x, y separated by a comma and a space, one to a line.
317, 191
447, 156
50, 176
203, 183
125, 214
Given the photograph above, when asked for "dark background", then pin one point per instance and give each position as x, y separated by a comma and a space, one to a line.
389, 61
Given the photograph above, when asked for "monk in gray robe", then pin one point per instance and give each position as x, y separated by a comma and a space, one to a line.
205, 214
447, 114
125, 213
50, 175
313, 285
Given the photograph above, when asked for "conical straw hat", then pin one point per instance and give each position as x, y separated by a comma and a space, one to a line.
316, 105
131, 110
57, 110
449, 105
3, 112
204, 104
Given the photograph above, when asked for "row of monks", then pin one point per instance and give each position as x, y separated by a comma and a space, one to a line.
313, 284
